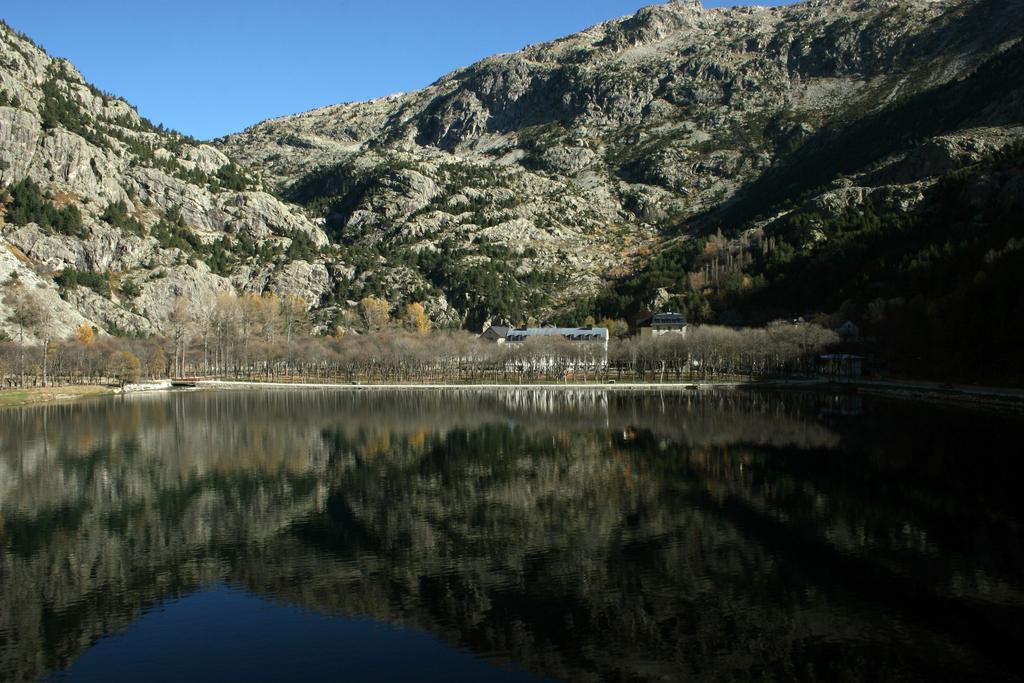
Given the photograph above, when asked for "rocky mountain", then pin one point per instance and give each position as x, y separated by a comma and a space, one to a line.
95, 195
658, 160
570, 163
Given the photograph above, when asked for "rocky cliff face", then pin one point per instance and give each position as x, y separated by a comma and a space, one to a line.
154, 207
527, 181
592, 149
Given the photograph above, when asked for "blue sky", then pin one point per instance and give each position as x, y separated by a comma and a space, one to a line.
214, 67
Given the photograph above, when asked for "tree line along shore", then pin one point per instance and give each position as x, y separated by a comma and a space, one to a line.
251, 337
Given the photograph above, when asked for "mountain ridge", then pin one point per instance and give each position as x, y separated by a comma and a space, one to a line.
537, 183
751, 83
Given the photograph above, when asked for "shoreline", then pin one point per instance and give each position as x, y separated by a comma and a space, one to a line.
990, 398
491, 386
33, 396
965, 396
56, 395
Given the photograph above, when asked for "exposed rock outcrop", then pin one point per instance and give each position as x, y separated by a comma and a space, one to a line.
524, 183
87, 149
592, 149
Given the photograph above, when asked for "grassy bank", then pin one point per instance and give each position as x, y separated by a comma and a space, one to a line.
23, 397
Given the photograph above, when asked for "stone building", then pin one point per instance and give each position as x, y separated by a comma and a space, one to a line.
663, 323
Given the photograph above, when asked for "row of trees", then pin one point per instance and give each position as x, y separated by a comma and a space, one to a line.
257, 338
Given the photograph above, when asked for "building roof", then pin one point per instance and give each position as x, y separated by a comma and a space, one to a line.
668, 319
663, 320
500, 331
570, 333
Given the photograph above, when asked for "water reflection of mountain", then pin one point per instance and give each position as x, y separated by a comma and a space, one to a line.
585, 535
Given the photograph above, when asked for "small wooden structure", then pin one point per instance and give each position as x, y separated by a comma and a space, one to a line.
186, 382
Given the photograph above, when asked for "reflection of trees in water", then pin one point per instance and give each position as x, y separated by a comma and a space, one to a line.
692, 418
108, 507
623, 559
584, 534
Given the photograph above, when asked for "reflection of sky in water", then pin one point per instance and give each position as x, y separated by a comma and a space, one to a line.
585, 535
226, 634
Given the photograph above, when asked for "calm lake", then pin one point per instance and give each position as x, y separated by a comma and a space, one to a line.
509, 536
